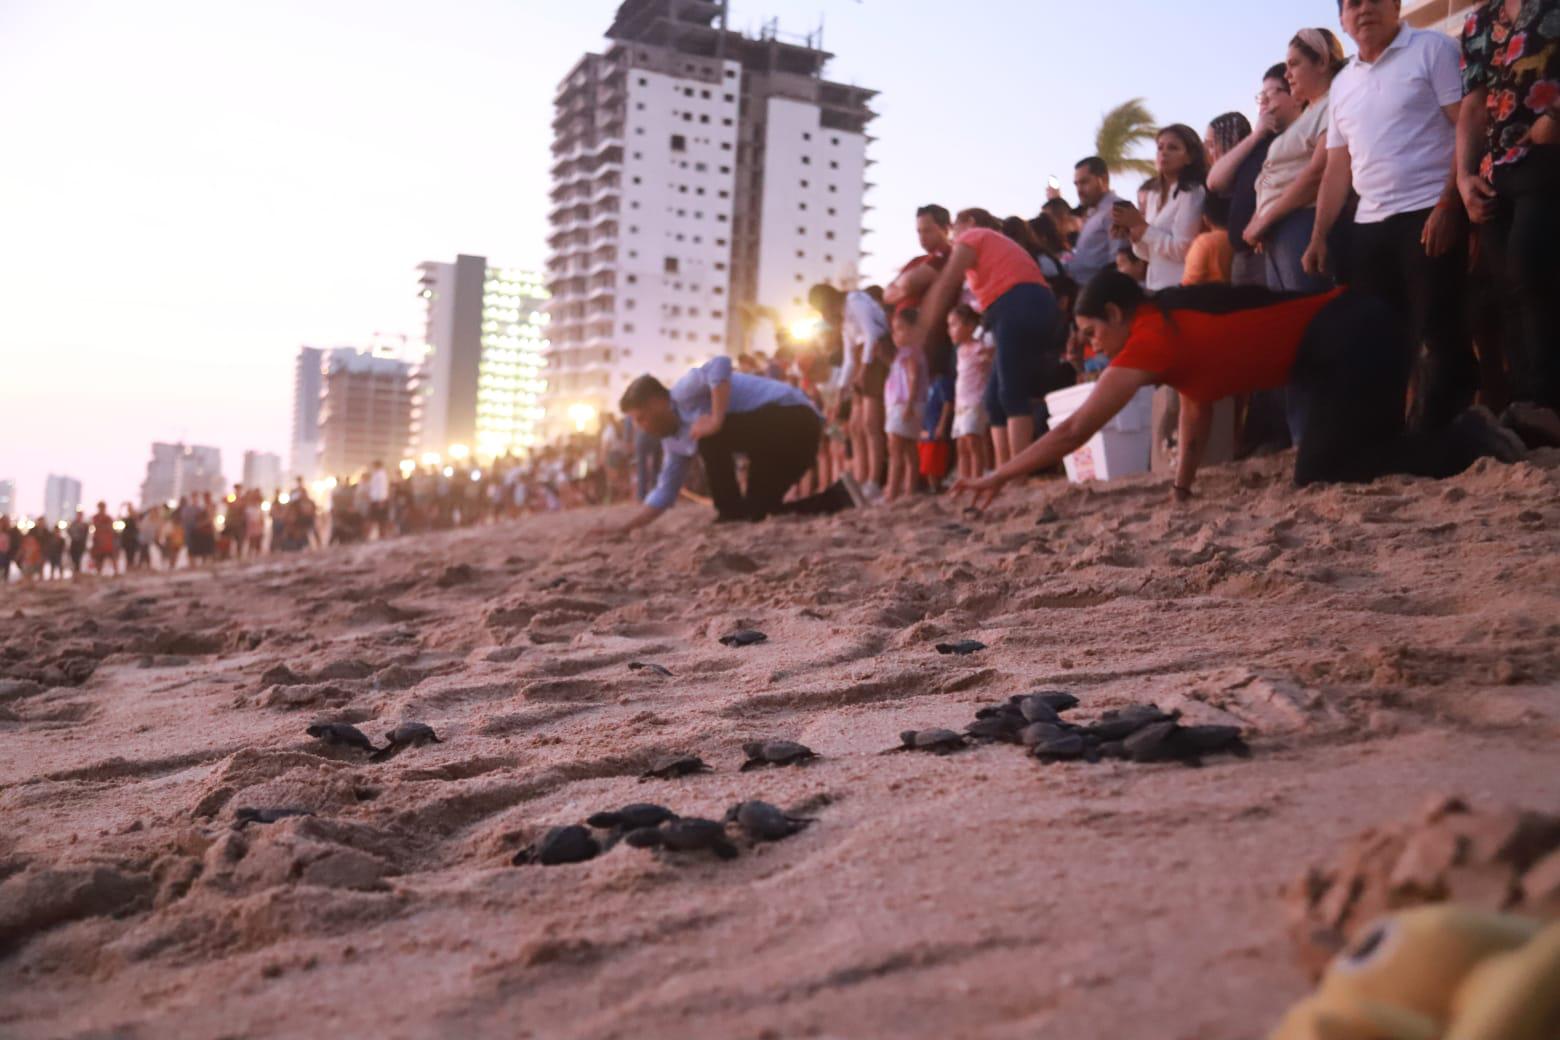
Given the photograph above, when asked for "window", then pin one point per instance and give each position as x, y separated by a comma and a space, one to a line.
700, 167
729, 98
725, 169
633, 279
833, 165
705, 119
801, 205
731, 73
628, 328
833, 189
831, 211
671, 266
687, 117
643, 82
801, 254
636, 180
725, 194
704, 94
640, 105
717, 314
834, 140
726, 121
806, 160
828, 258
806, 136
682, 189
720, 265
725, 146
801, 231
806, 184
829, 235
679, 143
714, 337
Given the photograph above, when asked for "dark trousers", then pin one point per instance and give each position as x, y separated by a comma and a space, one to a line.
781, 445
1430, 296
1348, 383
1520, 254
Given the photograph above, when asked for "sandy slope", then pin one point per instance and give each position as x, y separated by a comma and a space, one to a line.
1381, 643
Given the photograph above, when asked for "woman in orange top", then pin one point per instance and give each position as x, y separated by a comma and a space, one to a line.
1344, 355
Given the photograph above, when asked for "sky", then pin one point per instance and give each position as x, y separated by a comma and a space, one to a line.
192, 189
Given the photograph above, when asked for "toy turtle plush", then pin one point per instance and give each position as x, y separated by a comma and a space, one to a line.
1438, 973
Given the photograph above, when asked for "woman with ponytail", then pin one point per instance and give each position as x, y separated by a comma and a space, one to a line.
1292, 173
1344, 356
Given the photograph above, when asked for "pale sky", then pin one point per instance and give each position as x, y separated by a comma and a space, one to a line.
191, 189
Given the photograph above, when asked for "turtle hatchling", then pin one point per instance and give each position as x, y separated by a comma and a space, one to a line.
632, 817
242, 817
646, 666
1001, 727
1057, 700
690, 834
744, 637
764, 822
669, 767
571, 844
341, 735
1121, 724
406, 735
963, 647
775, 753
935, 741
1061, 748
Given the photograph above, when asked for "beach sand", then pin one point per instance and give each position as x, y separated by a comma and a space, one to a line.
1381, 644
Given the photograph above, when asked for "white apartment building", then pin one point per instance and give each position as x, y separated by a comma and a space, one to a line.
1445, 15
697, 172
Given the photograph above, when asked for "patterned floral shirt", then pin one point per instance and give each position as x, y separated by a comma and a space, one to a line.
1518, 64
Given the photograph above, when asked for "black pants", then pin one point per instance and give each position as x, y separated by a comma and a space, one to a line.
1520, 253
1348, 383
781, 445
1429, 295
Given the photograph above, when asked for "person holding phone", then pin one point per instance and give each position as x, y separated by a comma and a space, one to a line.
1163, 233
1343, 355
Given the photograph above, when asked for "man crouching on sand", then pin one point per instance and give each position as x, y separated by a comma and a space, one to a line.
719, 414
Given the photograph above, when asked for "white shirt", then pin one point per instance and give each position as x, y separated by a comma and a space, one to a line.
379, 486
1169, 235
864, 325
1388, 113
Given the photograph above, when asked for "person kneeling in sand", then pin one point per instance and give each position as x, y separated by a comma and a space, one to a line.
718, 414
1343, 355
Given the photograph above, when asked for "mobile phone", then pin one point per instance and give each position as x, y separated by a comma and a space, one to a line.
1053, 183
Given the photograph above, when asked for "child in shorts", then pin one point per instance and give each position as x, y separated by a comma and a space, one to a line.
971, 426
904, 400
936, 447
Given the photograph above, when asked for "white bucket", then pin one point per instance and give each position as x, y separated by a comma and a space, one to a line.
1122, 449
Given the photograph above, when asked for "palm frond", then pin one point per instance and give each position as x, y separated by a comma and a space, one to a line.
1121, 130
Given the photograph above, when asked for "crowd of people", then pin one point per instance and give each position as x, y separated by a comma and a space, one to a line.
1371, 271
200, 529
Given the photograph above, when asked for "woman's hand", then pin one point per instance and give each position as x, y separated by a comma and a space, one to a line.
982, 490
1256, 231
1127, 218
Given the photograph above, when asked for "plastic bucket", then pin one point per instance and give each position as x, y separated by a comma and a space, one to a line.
1122, 449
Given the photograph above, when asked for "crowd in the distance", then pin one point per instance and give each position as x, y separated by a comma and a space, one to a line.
1418, 172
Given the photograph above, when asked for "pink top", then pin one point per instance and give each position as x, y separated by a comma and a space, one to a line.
969, 388
1000, 264
908, 373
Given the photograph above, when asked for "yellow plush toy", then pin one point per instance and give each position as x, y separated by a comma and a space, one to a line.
1438, 973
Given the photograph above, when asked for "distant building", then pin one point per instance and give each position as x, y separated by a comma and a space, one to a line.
61, 498
177, 470
480, 381
263, 470
1445, 15
696, 172
306, 413
365, 411
8, 498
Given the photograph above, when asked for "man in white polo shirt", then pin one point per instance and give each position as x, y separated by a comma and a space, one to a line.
1391, 137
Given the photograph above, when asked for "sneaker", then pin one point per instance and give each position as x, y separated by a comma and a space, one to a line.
1491, 437
1539, 427
858, 497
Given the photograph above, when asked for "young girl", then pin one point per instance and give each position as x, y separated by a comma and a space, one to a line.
970, 422
904, 400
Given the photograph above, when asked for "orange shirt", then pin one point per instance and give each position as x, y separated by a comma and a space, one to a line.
1210, 259
1209, 357
1000, 264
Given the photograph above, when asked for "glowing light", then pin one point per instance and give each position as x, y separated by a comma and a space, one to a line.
408, 466
459, 452
449, 471
431, 458
581, 415
265, 507
119, 525
805, 330
476, 475
284, 498
172, 504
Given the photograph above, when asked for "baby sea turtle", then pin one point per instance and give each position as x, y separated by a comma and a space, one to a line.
1037, 709
1060, 748
406, 735
632, 817
1121, 724
775, 753
341, 735
1001, 727
242, 817
744, 637
1039, 732
963, 647
646, 666
764, 822
936, 741
1172, 742
1057, 700
571, 844
690, 834
669, 767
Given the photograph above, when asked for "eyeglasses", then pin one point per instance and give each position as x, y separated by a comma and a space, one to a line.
1271, 95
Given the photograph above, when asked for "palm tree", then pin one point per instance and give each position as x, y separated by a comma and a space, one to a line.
1121, 130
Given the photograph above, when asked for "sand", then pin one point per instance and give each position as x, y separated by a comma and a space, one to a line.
1381, 644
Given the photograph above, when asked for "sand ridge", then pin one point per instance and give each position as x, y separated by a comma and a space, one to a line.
1377, 643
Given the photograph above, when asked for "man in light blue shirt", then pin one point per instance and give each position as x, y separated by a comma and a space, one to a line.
1095, 250
717, 414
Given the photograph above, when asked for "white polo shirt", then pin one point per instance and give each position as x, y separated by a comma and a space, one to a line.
1388, 114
